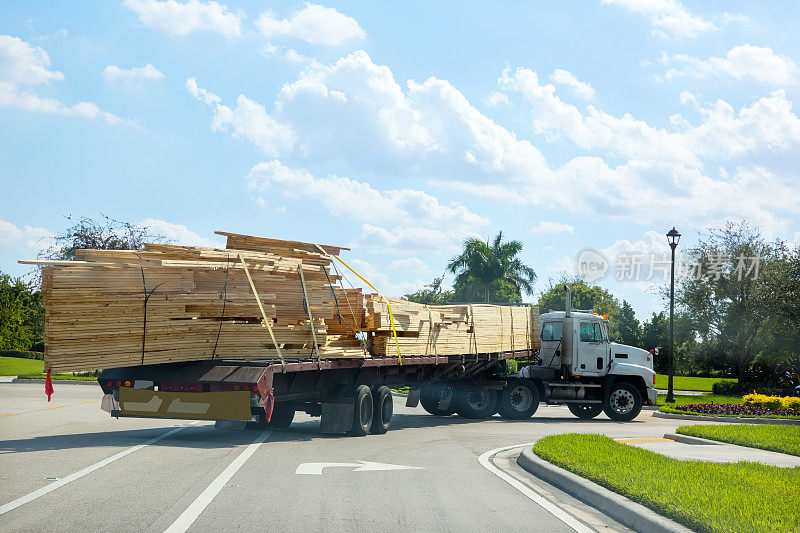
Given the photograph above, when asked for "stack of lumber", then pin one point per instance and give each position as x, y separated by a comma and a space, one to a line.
199, 305
450, 329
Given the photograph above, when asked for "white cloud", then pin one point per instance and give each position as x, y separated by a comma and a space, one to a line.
181, 18
742, 62
669, 18
22, 64
567, 79
314, 24
30, 239
552, 228
409, 264
496, 99
249, 120
178, 233
113, 73
417, 219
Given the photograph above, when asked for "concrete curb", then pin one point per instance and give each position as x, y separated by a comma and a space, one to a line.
57, 381
729, 419
687, 439
627, 512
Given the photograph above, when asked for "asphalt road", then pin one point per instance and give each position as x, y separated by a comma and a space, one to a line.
68, 465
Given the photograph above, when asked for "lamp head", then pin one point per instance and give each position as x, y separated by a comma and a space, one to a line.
673, 236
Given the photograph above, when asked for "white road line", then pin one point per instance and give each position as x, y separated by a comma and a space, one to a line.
543, 502
191, 513
88, 470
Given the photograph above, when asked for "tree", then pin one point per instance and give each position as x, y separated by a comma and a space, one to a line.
491, 272
630, 332
431, 294
655, 334
104, 234
21, 315
729, 300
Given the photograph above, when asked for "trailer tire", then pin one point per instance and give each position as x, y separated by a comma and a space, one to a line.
623, 402
431, 395
585, 411
362, 411
518, 400
476, 404
382, 409
282, 416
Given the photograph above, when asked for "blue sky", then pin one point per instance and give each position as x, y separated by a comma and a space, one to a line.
401, 129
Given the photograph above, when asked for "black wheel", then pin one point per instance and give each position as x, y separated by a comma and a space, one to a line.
362, 411
438, 399
282, 416
382, 409
623, 402
585, 411
518, 400
476, 403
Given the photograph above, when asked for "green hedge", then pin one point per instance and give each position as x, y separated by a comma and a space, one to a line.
22, 354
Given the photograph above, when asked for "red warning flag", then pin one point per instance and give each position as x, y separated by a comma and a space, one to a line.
48, 385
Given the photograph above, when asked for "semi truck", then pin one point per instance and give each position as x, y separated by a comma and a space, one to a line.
577, 366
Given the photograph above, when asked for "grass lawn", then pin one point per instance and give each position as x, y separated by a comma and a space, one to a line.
783, 439
703, 496
32, 369
706, 398
688, 383
14, 366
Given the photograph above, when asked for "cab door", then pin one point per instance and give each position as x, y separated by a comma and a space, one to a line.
592, 349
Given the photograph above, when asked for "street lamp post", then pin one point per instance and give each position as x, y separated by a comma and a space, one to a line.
672, 238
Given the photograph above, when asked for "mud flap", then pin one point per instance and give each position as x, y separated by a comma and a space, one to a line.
337, 418
413, 397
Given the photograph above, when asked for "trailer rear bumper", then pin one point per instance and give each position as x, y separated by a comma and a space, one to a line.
220, 405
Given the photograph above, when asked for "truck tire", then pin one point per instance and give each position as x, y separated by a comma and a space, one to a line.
480, 403
431, 397
585, 411
282, 416
623, 402
382, 409
362, 411
518, 400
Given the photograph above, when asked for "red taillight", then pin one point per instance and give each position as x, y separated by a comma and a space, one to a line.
191, 387
236, 387
255, 388
110, 383
118, 383
654, 379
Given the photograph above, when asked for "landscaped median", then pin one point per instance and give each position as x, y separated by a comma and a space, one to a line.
24, 368
782, 439
703, 496
751, 406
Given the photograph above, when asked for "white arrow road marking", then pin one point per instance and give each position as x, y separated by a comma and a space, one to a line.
363, 466
543, 502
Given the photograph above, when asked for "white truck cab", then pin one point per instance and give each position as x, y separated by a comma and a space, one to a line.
579, 366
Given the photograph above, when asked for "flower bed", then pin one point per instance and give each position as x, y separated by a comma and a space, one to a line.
772, 402
729, 409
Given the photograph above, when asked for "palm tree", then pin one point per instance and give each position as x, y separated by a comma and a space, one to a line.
488, 265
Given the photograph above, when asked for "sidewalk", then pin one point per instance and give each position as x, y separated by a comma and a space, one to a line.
715, 452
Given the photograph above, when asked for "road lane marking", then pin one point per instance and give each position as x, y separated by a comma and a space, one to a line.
642, 441
543, 502
47, 408
88, 470
187, 518
363, 466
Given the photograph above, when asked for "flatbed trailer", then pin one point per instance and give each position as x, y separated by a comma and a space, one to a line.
350, 395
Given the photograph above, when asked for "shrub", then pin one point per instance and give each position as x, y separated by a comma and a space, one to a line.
23, 354
725, 387
772, 402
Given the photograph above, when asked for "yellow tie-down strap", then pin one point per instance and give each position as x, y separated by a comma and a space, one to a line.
391, 316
